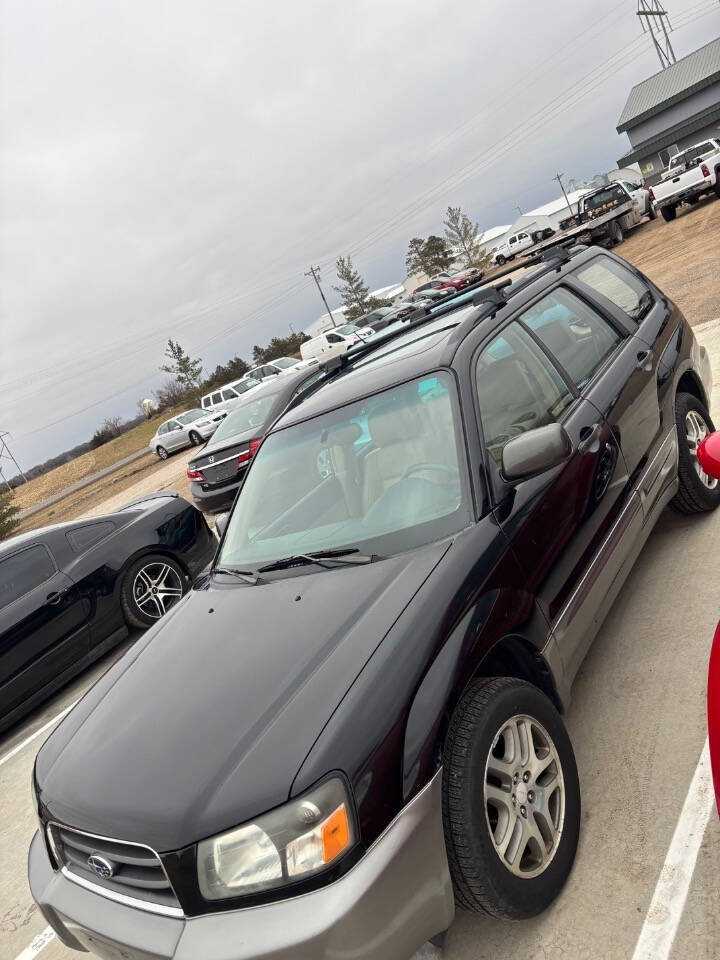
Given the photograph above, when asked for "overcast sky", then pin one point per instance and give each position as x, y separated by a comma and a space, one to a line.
172, 169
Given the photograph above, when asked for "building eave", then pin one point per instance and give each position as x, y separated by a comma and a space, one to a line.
671, 135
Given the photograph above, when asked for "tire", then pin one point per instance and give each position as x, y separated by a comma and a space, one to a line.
693, 421
500, 261
668, 213
162, 453
652, 212
482, 881
152, 568
195, 438
616, 233
717, 182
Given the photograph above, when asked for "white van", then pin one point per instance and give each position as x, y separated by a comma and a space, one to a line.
334, 342
227, 397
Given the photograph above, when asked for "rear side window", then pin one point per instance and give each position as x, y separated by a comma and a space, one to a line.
518, 388
206, 402
229, 394
216, 398
24, 571
84, 537
575, 334
619, 285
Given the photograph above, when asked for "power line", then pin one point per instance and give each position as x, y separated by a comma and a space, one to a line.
6, 454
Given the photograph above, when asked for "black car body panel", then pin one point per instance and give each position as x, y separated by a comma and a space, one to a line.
267, 701
358, 669
44, 641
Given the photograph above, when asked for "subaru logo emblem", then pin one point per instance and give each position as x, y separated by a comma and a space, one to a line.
211, 459
100, 866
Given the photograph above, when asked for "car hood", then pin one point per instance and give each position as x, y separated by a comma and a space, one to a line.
204, 724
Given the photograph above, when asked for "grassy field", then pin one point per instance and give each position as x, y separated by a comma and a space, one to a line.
40, 488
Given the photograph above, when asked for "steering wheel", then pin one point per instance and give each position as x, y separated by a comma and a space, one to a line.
437, 467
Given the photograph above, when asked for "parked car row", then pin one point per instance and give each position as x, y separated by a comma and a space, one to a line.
354, 720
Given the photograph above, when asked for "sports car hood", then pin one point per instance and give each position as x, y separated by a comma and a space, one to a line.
204, 724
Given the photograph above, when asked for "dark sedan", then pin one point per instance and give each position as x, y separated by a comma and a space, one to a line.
217, 471
68, 593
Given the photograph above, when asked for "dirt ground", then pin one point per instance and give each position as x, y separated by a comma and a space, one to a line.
682, 257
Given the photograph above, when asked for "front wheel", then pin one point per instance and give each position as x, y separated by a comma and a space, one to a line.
511, 800
616, 233
668, 213
151, 586
698, 492
195, 438
161, 452
500, 261
652, 212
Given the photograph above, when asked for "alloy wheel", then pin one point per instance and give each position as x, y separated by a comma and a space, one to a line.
157, 587
696, 430
524, 796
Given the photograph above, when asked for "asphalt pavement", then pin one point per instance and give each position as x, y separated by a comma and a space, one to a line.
638, 725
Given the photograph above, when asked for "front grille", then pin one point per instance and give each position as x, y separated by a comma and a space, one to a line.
136, 871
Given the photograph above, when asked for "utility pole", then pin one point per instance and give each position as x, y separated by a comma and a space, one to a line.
558, 177
314, 272
519, 210
6, 454
656, 20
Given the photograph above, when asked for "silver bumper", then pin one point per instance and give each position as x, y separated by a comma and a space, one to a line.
397, 897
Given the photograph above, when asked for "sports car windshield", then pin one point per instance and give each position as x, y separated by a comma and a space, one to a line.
382, 474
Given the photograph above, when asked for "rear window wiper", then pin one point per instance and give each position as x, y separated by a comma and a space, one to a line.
247, 576
345, 555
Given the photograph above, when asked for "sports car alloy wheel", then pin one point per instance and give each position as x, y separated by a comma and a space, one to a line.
156, 587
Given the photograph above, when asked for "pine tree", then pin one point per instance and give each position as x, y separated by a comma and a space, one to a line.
8, 515
352, 288
187, 372
462, 235
429, 256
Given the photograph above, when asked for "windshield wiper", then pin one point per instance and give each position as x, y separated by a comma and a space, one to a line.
247, 576
345, 555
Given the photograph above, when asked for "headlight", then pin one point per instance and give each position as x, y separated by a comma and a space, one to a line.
297, 840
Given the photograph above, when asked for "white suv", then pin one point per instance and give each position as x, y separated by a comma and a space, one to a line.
227, 397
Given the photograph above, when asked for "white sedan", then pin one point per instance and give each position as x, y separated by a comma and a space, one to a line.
189, 429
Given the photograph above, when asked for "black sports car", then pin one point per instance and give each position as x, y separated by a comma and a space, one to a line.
217, 471
68, 593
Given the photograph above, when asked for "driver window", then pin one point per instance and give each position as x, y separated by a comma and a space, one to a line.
518, 388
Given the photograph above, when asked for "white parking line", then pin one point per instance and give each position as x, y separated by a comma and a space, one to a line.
666, 908
34, 736
38, 944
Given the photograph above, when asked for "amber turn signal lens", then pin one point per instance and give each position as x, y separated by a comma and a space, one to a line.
335, 834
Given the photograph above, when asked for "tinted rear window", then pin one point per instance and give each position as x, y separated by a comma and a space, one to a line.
620, 285
24, 571
84, 537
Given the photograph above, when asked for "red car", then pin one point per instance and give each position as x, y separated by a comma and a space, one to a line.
708, 454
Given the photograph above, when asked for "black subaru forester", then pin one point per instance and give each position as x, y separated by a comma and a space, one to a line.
353, 722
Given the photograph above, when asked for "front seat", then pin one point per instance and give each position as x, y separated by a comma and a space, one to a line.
397, 435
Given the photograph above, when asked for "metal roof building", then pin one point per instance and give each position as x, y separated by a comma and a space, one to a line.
678, 106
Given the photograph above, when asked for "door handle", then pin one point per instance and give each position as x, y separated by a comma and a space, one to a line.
588, 436
55, 597
643, 363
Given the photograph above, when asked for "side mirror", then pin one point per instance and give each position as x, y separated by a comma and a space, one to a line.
221, 522
535, 451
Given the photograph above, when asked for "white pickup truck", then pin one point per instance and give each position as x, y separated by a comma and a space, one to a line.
690, 174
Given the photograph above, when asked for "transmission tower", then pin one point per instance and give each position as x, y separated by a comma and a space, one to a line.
6, 454
656, 20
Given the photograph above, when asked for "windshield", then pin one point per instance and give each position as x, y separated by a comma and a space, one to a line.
190, 416
284, 362
240, 386
382, 474
691, 155
253, 413
610, 194
347, 329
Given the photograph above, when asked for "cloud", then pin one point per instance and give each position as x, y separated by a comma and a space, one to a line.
174, 168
